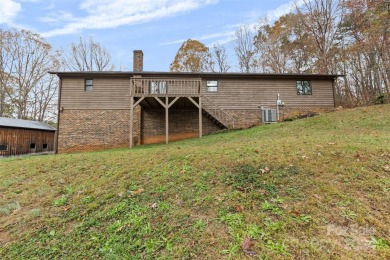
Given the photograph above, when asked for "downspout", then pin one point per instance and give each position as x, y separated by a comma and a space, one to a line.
58, 115
334, 92
277, 108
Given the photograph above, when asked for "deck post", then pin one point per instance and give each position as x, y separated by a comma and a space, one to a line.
166, 120
200, 117
131, 120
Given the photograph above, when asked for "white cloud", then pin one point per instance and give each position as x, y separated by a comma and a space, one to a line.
103, 14
57, 17
202, 38
8, 10
228, 36
174, 42
284, 9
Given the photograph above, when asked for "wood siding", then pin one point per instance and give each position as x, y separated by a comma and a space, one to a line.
107, 93
18, 141
250, 94
114, 93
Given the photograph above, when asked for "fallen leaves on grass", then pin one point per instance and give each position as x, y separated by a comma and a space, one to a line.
247, 245
295, 213
265, 170
239, 208
65, 208
136, 192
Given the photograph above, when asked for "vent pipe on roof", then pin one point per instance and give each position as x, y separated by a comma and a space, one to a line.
138, 61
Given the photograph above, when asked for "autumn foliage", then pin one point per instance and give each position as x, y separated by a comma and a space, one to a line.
193, 56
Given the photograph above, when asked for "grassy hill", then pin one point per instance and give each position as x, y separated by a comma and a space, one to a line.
311, 188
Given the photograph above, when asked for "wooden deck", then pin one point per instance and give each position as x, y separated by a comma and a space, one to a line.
165, 87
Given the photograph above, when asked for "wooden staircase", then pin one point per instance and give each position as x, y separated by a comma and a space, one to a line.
218, 115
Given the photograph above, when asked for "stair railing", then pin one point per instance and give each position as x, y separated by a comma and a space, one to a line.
219, 114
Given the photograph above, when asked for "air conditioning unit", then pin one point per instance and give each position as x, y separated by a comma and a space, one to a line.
269, 115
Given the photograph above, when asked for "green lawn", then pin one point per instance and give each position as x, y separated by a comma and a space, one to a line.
311, 188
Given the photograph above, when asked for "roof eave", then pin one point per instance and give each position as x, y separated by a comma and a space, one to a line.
193, 74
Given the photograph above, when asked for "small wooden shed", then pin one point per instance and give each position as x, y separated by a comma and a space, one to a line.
25, 136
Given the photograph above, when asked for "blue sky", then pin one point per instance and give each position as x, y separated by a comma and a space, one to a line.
158, 27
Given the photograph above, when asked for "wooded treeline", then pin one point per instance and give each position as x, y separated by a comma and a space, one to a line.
345, 37
348, 37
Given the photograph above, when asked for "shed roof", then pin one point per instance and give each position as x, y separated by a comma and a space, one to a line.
28, 124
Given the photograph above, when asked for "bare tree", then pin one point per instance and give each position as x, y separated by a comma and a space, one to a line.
87, 55
33, 59
25, 60
7, 64
245, 49
320, 19
43, 105
220, 58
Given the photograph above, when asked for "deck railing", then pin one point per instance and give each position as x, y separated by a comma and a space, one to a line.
142, 87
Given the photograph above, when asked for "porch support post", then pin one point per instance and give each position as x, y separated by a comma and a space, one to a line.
131, 120
200, 118
199, 106
166, 120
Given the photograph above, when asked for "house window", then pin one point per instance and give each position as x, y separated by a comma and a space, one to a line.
3, 147
212, 86
45, 146
304, 87
88, 85
158, 87
32, 146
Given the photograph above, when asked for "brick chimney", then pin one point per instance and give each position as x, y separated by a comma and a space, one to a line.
138, 61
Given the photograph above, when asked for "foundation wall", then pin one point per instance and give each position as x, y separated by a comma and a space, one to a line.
90, 130
245, 118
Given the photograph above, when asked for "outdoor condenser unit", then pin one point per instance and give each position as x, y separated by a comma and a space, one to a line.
269, 115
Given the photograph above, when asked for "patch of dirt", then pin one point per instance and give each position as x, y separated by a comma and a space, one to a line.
351, 238
172, 137
4, 237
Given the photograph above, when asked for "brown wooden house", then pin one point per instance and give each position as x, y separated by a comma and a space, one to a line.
19, 137
100, 110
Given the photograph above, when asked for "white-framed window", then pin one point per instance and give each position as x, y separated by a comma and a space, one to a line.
304, 87
212, 86
158, 87
88, 85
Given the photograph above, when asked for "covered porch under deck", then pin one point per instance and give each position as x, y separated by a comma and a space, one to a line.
165, 94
